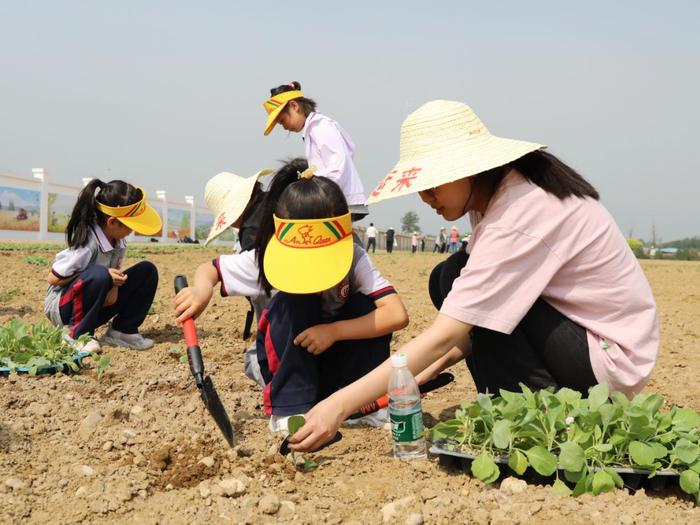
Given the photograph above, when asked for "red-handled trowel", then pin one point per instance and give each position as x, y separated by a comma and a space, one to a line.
204, 384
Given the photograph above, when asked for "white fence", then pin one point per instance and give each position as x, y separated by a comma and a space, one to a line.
38, 209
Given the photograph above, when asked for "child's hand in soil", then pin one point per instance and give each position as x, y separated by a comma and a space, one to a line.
317, 339
190, 302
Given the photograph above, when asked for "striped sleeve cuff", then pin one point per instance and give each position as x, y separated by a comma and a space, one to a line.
382, 292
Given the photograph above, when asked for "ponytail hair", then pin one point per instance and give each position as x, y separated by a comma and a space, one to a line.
307, 105
290, 197
85, 213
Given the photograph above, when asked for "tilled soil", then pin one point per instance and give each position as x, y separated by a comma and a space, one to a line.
137, 446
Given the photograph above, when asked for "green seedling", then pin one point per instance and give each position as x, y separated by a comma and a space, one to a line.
178, 354
580, 440
37, 260
7, 295
36, 347
293, 425
102, 365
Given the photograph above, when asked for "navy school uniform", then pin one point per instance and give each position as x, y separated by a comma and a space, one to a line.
79, 304
295, 379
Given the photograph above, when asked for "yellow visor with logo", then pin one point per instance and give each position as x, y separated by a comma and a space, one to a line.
275, 105
139, 216
309, 255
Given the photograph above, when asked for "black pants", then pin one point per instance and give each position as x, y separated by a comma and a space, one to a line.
545, 349
81, 301
295, 380
371, 242
389, 246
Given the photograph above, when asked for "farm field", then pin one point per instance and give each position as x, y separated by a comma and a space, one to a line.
138, 446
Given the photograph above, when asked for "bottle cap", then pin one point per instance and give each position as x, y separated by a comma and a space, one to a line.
399, 360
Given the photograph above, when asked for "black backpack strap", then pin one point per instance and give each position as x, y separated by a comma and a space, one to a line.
248, 321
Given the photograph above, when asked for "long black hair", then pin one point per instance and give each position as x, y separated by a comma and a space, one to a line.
85, 212
290, 197
307, 105
543, 169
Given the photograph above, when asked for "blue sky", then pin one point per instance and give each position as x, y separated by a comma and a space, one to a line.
167, 94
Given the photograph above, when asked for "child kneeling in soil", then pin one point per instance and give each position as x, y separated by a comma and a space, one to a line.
86, 285
333, 315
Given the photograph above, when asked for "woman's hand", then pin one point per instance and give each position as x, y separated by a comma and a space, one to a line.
111, 297
322, 424
317, 339
118, 277
191, 301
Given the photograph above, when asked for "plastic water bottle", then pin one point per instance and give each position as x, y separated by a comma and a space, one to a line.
405, 411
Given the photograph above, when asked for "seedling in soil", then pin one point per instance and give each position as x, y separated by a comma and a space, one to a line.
102, 365
7, 296
37, 260
178, 354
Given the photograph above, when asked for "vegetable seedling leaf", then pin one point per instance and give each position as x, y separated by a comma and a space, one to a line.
542, 460
501, 434
518, 462
690, 481
571, 456
484, 468
641, 453
602, 482
559, 488
295, 423
597, 396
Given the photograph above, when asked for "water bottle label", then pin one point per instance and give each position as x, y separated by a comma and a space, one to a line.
407, 426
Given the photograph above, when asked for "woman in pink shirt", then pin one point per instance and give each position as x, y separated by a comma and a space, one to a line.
549, 293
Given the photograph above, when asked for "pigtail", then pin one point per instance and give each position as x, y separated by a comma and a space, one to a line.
84, 215
286, 175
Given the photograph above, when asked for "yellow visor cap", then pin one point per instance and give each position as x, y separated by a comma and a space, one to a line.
309, 255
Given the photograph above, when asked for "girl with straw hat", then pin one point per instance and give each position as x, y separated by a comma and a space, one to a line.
330, 321
328, 147
549, 293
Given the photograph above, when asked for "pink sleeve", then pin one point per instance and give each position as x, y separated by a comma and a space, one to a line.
506, 273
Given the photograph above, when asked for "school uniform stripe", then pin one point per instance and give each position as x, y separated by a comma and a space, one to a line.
382, 292
222, 290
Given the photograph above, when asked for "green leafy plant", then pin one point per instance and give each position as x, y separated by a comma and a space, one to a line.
293, 425
178, 354
102, 365
580, 440
36, 347
37, 260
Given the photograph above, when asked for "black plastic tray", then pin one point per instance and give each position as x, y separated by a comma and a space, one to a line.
633, 478
61, 366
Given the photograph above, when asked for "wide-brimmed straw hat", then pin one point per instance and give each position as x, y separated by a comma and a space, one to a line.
227, 196
444, 141
309, 255
139, 216
274, 106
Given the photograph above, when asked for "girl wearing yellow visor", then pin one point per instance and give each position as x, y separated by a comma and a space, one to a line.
87, 286
327, 146
332, 316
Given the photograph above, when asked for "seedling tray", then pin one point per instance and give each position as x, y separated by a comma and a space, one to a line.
47, 369
634, 479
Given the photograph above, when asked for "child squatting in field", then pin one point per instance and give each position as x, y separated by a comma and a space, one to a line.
86, 285
330, 321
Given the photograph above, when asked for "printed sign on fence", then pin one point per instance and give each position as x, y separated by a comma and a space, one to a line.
19, 209
60, 209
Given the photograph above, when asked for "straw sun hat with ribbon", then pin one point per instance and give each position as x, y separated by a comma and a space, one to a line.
274, 106
138, 216
227, 196
444, 141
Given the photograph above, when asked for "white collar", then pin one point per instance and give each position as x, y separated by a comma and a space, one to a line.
306, 123
103, 242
